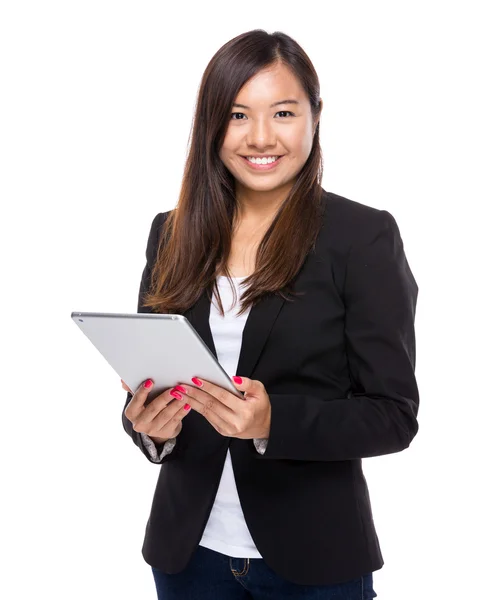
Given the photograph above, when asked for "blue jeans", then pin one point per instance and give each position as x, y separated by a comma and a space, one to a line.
214, 576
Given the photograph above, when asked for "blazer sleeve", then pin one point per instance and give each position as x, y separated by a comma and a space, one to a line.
379, 415
151, 253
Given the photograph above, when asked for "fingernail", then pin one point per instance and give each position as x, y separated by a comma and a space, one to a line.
176, 395
237, 380
180, 388
197, 381
148, 383
187, 407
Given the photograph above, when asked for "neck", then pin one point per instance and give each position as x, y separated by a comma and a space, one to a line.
256, 206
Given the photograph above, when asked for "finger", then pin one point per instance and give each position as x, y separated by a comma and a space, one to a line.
223, 396
136, 404
156, 419
175, 411
125, 386
211, 411
209, 403
149, 412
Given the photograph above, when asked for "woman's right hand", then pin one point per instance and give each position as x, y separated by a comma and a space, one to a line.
161, 419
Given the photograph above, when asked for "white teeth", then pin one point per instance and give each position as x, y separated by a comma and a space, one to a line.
262, 161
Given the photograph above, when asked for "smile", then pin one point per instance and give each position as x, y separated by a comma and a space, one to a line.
262, 164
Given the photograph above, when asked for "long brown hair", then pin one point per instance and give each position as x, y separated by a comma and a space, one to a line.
197, 235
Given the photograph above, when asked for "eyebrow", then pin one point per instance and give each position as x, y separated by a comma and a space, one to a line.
271, 105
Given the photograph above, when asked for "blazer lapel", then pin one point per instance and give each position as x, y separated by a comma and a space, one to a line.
258, 326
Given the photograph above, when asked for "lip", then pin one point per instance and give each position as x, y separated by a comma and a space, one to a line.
262, 167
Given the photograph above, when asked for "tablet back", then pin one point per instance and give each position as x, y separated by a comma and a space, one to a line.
165, 348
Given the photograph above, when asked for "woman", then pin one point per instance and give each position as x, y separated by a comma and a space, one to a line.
308, 297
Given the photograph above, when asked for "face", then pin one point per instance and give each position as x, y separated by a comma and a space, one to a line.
262, 124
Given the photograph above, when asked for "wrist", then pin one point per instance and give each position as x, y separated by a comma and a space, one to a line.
158, 440
268, 423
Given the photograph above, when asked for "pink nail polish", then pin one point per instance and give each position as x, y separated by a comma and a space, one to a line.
197, 381
237, 380
187, 407
148, 383
176, 395
180, 388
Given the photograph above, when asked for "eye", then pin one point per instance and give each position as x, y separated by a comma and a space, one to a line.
286, 111
238, 113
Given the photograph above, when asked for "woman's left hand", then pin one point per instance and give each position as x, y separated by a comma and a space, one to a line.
230, 416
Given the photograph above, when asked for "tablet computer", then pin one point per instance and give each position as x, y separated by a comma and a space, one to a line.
165, 348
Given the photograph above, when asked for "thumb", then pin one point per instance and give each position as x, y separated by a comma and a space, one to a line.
244, 384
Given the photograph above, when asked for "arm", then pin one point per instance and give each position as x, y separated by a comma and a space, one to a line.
144, 443
379, 416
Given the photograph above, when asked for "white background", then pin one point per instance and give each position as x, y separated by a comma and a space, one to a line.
96, 106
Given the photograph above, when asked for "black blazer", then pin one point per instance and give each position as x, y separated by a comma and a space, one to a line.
338, 364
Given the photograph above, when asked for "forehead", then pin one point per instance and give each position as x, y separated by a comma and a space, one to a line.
269, 85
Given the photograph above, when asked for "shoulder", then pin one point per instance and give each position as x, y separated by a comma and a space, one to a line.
158, 221
344, 211
161, 218
347, 220
155, 234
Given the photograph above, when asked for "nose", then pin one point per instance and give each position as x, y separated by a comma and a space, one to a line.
261, 134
